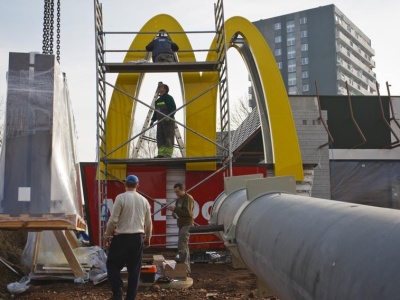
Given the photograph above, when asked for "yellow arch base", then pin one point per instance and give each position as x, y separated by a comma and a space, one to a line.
201, 114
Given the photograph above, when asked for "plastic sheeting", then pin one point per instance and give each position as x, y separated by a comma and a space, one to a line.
39, 170
375, 183
51, 254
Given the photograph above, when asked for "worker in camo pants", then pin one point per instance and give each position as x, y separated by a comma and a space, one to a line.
165, 126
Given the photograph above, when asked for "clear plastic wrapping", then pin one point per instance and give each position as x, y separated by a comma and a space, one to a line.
38, 163
39, 171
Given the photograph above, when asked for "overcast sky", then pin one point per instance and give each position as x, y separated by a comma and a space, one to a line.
22, 25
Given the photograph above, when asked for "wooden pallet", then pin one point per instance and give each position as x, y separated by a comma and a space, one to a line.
62, 226
67, 244
42, 222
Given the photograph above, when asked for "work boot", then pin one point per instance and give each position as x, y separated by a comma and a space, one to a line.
117, 294
116, 297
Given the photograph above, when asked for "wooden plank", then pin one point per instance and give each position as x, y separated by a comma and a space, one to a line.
43, 222
36, 251
69, 254
73, 241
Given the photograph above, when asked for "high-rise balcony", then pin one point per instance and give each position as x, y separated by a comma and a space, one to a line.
367, 47
356, 51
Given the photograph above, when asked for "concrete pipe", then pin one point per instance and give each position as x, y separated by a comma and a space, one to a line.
310, 248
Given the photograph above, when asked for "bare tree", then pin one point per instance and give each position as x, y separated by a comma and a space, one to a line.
239, 111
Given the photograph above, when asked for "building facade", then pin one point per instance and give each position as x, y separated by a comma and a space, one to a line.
321, 45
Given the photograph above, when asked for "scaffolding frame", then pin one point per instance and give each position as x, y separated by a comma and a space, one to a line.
103, 67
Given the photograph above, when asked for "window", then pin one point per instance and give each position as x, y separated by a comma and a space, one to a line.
304, 74
292, 79
279, 65
290, 26
277, 26
303, 33
291, 39
304, 61
292, 65
306, 87
303, 20
349, 67
278, 39
291, 52
278, 52
292, 90
304, 47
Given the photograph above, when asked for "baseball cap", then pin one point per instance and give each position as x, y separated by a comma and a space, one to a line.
132, 178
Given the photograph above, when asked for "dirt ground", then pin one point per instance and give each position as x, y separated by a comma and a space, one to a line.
216, 280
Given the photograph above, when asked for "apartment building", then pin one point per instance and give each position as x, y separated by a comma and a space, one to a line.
321, 45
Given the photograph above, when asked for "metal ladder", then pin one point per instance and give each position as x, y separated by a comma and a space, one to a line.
101, 123
223, 87
146, 123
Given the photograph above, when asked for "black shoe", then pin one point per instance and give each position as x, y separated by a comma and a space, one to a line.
116, 297
159, 156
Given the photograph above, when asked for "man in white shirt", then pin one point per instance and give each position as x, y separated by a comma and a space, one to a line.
129, 221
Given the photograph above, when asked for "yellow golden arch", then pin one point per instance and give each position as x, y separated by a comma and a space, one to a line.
201, 114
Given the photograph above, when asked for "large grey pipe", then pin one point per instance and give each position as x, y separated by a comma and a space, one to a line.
310, 248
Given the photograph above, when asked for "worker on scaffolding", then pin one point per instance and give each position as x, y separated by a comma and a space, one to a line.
165, 104
162, 48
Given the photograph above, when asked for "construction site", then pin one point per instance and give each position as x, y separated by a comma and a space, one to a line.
299, 201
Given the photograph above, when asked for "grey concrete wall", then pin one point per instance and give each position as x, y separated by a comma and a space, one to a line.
311, 134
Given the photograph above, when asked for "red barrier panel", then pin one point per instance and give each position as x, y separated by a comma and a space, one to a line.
153, 186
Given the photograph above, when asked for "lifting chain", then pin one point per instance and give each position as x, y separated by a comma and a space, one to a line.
58, 30
48, 28
45, 46
51, 26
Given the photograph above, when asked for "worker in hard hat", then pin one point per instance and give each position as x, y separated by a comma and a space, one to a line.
162, 48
